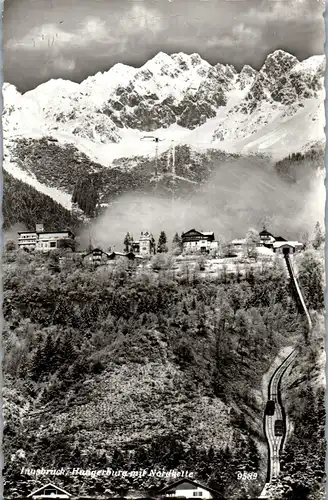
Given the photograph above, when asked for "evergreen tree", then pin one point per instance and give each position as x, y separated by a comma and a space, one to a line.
10, 246
162, 243
118, 461
177, 245
37, 362
311, 281
252, 239
54, 264
58, 353
86, 194
319, 236
67, 347
48, 352
41, 362
127, 242
211, 454
152, 244
305, 239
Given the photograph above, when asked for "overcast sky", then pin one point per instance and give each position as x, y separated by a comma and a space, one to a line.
45, 39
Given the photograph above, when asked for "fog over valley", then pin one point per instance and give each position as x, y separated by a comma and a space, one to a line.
239, 194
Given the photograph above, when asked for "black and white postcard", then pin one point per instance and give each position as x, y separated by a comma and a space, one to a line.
163, 256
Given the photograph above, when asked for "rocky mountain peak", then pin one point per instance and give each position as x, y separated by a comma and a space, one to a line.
278, 63
158, 61
248, 70
178, 89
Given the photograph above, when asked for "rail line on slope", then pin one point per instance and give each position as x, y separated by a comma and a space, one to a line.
298, 290
276, 443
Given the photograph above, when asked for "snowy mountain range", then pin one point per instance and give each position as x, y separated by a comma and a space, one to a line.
179, 98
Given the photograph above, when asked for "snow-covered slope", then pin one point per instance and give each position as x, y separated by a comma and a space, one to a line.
179, 90
275, 111
283, 110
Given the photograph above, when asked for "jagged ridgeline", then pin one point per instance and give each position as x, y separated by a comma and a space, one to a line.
24, 204
189, 92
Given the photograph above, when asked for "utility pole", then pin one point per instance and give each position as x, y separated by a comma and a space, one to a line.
156, 156
172, 150
156, 140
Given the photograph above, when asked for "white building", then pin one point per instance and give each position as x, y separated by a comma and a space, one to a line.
49, 240
287, 246
42, 240
188, 488
27, 239
49, 491
145, 245
238, 244
199, 241
266, 238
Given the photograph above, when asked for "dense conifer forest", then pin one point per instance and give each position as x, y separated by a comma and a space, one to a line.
119, 368
22, 204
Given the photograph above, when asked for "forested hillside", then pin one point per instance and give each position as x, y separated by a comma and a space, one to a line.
300, 165
138, 370
71, 171
23, 204
303, 460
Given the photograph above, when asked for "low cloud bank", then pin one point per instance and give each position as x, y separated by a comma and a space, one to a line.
240, 194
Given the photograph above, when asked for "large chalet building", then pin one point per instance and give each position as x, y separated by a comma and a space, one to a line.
42, 240
266, 238
277, 244
199, 241
98, 257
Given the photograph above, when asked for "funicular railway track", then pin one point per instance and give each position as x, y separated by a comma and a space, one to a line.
275, 442
275, 421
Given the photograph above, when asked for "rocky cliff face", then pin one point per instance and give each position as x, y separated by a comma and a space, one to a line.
180, 98
282, 86
179, 89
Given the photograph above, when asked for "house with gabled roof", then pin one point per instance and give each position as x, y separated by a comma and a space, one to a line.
287, 247
49, 491
96, 256
280, 238
125, 255
188, 488
279, 244
199, 241
266, 238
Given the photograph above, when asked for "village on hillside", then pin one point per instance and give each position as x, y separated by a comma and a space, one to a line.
192, 246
